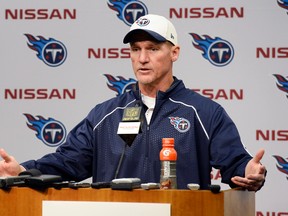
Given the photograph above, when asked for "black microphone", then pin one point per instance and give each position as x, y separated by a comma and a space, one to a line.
214, 188
7, 182
129, 128
35, 179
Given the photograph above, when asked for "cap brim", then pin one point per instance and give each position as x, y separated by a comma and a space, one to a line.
130, 36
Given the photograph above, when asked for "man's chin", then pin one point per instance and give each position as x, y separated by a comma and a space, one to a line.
144, 80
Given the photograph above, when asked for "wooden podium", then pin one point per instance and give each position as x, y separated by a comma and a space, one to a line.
24, 201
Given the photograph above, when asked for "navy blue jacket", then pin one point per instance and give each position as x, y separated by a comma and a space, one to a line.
205, 137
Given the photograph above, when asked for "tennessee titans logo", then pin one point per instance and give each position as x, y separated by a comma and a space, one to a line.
128, 10
50, 131
282, 165
142, 22
52, 52
120, 85
217, 51
282, 83
180, 124
283, 4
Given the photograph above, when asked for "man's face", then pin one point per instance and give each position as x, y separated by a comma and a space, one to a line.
152, 61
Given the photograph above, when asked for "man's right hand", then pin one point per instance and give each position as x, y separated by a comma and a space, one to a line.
9, 166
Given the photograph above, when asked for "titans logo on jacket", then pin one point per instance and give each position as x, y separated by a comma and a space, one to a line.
180, 124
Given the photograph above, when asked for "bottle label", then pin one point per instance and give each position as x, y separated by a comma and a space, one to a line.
168, 175
168, 169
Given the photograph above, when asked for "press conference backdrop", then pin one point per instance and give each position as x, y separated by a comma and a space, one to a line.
60, 58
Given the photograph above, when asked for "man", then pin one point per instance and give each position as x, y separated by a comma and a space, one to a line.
205, 136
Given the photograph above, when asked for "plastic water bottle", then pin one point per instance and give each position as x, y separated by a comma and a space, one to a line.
168, 158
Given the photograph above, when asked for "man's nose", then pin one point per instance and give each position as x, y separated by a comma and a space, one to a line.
143, 56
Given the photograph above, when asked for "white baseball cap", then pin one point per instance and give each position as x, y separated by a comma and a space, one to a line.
160, 28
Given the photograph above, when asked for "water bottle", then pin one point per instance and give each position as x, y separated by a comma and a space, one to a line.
168, 158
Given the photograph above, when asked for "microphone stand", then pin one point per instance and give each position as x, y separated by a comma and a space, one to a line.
128, 129
120, 161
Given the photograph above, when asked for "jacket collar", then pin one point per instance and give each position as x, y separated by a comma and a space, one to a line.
175, 87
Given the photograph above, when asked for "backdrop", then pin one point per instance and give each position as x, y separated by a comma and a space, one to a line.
60, 58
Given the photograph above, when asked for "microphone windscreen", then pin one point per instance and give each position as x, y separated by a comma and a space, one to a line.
214, 188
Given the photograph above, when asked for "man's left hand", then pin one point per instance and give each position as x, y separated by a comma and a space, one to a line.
255, 174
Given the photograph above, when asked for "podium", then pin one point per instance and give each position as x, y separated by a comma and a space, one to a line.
23, 201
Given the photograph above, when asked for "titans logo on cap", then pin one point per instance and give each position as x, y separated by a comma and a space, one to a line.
120, 85
180, 124
143, 21
51, 52
217, 51
128, 10
50, 131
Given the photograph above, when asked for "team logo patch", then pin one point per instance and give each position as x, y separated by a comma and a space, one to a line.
120, 85
217, 51
282, 83
180, 124
50, 131
282, 164
142, 21
128, 10
52, 52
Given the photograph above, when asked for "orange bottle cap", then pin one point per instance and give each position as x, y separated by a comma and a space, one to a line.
168, 141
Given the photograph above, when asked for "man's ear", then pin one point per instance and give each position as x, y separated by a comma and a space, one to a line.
175, 53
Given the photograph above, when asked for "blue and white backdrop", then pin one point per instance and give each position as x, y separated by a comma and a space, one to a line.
60, 58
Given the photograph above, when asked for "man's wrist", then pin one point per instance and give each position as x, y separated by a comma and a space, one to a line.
22, 169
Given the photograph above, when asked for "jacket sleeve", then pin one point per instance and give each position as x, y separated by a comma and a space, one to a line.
227, 152
73, 159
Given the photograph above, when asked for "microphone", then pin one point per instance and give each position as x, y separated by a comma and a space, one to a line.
35, 179
7, 182
130, 126
128, 129
214, 188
